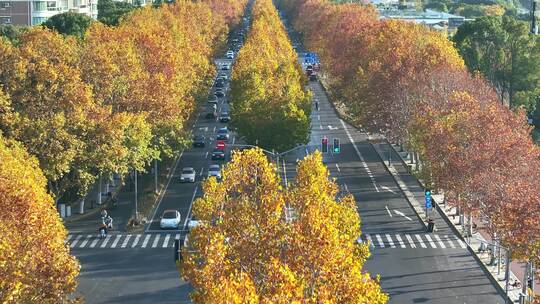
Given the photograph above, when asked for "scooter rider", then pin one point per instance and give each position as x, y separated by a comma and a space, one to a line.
102, 231
107, 221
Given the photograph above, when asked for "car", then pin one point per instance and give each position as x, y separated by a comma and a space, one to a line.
213, 100
214, 170
199, 141
170, 219
222, 134
192, 223
225, 67
187, 175
211, 115
218, 154
220, 144
223, 77
219, 93
313, 77
230, 56
224, 117
219, 83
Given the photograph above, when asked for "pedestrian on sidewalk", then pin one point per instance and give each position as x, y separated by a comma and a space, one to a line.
317, 105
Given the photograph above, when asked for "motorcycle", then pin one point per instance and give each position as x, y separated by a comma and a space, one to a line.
102, 232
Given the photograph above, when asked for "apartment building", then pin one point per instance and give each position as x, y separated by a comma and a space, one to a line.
33, 12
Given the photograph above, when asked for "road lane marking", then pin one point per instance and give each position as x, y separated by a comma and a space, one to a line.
156, 240
190, 205
162, 193
411, 242
136, 241
439, 240
346, 188
449, 241
285, 174
206, 156
388, 189
85, 241
166, 241
126, 240
431, 243
145, 241
368, 237
388, 210
233, 139
214, 129
69, 237
420, 240
94, 243
401, 243
318, 117
364, 164
116, 241
460, 242
76, 241
402, 214
202, 169
321, 127
390, 241
337, 166
379, 239
107, 238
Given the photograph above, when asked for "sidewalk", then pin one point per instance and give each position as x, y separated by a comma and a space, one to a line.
445, 216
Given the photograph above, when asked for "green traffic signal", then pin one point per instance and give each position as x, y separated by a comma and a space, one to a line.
337, 148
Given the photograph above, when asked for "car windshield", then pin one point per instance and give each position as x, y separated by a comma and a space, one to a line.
169, 215
198, 137
187, 171
213, 168
217, 151
224, 114
222, 131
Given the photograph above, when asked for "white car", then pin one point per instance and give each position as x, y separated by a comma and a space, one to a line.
188, 175
214, 170
192, 224
170, 219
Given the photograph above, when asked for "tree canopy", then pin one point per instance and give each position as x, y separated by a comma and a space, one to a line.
70, 23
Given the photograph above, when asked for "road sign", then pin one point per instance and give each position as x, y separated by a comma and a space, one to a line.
337, 148
324, 145
428, 199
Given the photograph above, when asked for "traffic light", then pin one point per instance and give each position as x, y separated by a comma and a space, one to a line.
324, 145
427, 192
337, 148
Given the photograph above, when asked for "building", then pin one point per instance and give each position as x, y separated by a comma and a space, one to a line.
433, 19
34, 12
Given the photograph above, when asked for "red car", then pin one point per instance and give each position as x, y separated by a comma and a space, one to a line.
220, 145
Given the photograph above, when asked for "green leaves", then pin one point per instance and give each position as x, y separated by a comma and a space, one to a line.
269, 104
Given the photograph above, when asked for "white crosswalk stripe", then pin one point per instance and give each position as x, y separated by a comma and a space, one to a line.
166, 240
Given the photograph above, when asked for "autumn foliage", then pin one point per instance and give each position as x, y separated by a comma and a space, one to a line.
409, 83
261, 243
35, 265
269, 105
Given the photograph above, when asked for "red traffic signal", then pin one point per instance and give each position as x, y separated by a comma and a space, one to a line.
324, 145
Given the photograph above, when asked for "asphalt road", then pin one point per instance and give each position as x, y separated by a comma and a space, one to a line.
415, 267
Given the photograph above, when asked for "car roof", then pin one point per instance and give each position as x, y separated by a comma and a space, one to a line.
188, 168
218, 150
198, 136
213, 166
170, 210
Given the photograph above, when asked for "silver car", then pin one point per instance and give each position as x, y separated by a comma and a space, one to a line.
188, 175
214, 170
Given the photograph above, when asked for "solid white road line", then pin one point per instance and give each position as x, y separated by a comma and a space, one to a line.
116, 241
449, 241
401, 243
136, 241
94, 243
431, 243
411, 242
126, 240
85, 241
390, 241
364, 164
379, 239
190, 205
76, 240
107, 238
439, 240
162, 193
146, 241
285, 174
156, 240
166, 241
420, 240
388, 210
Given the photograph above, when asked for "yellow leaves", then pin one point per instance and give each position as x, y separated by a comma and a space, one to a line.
35, 264
293, 245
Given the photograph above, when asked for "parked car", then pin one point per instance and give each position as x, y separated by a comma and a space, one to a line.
219, 83
223, 134
192, 223
187, 175
225, 67
214, 170
213, 100
219, 93
313, 77
170, 219
199, 141
223, 77
224, 117
218, 154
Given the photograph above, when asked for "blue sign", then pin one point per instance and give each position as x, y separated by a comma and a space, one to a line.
311, 58
428, 199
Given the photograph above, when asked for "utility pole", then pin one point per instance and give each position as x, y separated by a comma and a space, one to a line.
136, 210
155, 175
534, 26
